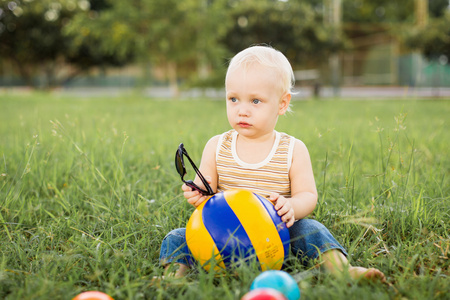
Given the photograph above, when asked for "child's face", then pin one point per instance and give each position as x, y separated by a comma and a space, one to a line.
255, 99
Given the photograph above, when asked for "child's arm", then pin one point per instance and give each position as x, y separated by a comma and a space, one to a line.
209, 171
303, 188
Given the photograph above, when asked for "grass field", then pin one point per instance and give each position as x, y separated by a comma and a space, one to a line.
88, 190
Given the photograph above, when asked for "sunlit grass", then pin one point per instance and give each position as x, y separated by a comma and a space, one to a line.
88, 190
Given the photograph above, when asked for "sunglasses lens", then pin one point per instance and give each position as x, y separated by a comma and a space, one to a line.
179, 164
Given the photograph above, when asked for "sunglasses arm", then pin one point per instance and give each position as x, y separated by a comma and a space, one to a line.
200, 175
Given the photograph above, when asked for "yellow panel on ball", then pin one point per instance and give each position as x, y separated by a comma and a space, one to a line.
200, 243
260, 228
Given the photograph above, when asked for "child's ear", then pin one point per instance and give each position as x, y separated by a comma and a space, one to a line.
284, 104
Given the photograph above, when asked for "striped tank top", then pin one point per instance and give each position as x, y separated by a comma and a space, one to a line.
270, 175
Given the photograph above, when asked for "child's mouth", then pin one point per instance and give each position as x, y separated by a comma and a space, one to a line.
244, 125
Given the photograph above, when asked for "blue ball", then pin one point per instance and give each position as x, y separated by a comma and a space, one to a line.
278, 280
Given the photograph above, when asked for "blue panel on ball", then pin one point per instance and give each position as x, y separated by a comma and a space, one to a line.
281, 226
218, 219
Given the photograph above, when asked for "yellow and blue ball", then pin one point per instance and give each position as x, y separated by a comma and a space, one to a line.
235, 225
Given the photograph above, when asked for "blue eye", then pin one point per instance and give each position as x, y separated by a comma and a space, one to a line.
232, 99
256, 101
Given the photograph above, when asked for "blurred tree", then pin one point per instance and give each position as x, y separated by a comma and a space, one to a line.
433, 40
100, 31
182, 37
185, 36
388, 11
86, 52
437, 8
294, 27
31, 34
378, 11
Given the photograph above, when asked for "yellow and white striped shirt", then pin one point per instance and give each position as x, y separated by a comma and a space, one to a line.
270, 175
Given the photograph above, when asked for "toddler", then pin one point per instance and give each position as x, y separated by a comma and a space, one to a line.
255, 157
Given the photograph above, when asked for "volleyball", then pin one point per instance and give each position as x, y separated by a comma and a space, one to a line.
237, 226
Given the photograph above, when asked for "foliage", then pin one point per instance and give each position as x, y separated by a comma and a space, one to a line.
32, 37
296, 28
85, 49
88, 190
104, 30
437, 8
52, 41
30, 34
378, 11
180, 36
433, 40
386, 11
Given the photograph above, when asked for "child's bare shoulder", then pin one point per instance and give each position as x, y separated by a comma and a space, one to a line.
211, 145
299, 145
213, 141
300, 149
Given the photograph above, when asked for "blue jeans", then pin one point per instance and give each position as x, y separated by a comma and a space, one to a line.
309, 239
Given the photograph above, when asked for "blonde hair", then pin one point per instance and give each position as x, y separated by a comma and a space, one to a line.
268, 57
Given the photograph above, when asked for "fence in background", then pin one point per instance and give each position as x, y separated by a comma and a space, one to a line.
381, 65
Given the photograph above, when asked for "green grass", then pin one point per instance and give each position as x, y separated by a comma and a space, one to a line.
88, 190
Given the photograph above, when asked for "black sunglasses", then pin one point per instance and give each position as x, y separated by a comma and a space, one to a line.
179, 164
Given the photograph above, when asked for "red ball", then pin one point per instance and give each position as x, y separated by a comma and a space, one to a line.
93, 295
264, 294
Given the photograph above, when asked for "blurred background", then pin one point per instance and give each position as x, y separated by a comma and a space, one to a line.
174, 48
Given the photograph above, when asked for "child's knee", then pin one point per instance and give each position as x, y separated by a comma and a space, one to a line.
173, 242
306, 226
179, 233
310, 223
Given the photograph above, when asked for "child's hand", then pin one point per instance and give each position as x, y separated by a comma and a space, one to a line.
194, 197
284, 208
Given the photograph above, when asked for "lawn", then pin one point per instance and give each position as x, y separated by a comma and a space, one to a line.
88, 189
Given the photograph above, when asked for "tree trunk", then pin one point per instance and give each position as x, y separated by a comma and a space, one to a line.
24, 72
172, 75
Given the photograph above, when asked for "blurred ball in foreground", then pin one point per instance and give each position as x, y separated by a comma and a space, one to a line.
92, 295
278, 280
264, 294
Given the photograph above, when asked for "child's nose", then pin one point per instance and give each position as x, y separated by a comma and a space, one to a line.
244, 110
